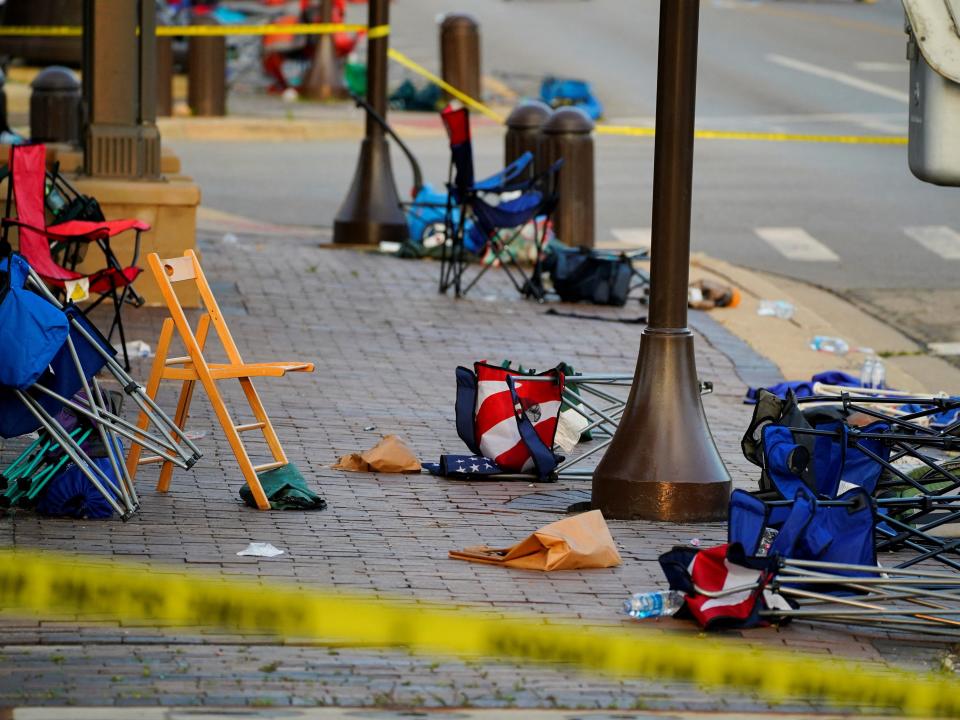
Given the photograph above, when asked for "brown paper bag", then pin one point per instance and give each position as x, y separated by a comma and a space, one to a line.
390, 455
581, 541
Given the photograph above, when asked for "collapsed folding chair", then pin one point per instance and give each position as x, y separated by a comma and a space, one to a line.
113, 282
595, 402
881, 443
51, 356
194, 368
478, 211
726, 586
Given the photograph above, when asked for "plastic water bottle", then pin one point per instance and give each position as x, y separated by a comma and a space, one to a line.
662, 603
873, 374
834, 345
776, 308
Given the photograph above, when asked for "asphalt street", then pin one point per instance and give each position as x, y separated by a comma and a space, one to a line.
849, 217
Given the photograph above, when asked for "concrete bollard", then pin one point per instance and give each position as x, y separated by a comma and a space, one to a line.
460, 53
207, 83
55, 106
524, 126
567, 135
164, 76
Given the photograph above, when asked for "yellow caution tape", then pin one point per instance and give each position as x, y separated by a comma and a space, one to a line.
40, 31
378, 31
631, 131
45, 583
444, 85
761, 136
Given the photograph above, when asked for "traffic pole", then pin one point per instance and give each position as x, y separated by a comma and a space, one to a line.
371, 211
663, 463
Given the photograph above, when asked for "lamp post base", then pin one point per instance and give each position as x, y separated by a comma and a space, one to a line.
663, 463
371, 211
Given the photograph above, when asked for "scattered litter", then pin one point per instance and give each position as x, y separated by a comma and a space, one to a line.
827, 344
695, 542
464, 467
290, 95
196, 434
390, 455
409, 96
659, 603
260, 549
286, 489
581, 541
570, 427
944, 348
560, 92
136, 349
229, 239
873, 374
707, 294
389, 247
369, 428
639, 320
776, 308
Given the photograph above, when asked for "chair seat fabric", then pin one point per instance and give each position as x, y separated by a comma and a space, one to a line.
80, 229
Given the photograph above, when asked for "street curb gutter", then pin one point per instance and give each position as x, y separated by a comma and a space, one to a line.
817, 312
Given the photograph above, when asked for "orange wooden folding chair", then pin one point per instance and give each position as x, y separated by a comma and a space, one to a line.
194, 368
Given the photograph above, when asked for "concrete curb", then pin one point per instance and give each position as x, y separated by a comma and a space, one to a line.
818, 312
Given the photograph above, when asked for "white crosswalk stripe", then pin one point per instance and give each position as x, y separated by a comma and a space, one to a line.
938, 239
840, 77
796, 244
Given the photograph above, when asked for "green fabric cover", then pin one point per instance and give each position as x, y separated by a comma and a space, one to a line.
286, 489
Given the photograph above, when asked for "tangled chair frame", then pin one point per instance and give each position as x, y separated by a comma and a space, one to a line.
600, 399
911, 501
87, 353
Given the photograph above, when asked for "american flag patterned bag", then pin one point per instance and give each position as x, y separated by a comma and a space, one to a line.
506, 417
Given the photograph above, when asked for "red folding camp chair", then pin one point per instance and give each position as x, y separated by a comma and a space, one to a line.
26, 186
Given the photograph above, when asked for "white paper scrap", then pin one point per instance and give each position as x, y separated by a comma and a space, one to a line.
261, 549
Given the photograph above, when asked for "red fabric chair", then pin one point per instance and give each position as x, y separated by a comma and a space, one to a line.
26, 185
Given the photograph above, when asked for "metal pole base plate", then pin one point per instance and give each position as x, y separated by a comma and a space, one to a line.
663, 463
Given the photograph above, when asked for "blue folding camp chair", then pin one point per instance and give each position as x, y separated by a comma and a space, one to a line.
477, 212
876, 444
50, 355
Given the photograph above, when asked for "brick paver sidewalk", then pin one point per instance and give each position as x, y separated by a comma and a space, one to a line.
386, 346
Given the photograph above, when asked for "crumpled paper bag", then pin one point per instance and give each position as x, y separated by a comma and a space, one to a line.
581, 541
390, 455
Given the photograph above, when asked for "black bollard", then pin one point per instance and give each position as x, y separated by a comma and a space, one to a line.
460, 53
567, 135
207, 71
55, 99
523, 134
